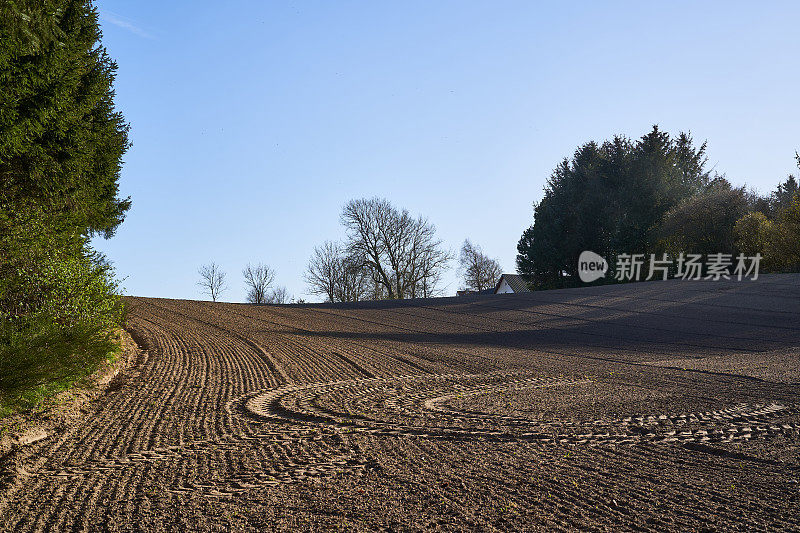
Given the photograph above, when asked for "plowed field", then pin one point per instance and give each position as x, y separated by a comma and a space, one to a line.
652, 406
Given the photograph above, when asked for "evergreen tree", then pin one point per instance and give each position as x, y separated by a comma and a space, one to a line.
61, 139
783, 196
610, 199
61, 147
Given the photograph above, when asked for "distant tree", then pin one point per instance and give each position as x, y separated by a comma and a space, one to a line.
772, 228
336, 275
778, 241
258, 280
791, 215
431, 268
704, 223
782, 197
785, 242
212, 280
757, 202
753, 233
773, 204
610, 199
401, 252
480, 271
323, 270
375, 289
352, 280
279, 295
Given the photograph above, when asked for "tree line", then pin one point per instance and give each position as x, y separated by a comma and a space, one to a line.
258, 280
653, 196
61, 147
390, 254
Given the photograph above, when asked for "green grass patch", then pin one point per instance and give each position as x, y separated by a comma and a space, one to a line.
29, 380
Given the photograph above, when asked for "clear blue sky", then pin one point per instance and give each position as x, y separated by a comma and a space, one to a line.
253, 122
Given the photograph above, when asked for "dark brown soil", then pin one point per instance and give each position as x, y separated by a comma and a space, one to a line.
652, 406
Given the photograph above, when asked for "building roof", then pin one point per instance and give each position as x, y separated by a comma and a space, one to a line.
515, 281
468, 292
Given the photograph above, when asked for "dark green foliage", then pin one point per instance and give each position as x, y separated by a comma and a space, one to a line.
61, 144
772, 228
610, 199
779, 200
704, 223
28, 26
653, 196
782, 197
61, 140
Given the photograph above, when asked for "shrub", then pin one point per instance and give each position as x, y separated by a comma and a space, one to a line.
778, 241
58, 309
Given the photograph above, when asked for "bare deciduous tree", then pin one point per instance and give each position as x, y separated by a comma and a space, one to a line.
432, 267
335, 275
375, 289
323, 270
401, 252
480, 272
212, 280
278, 296
258, 279
353, 281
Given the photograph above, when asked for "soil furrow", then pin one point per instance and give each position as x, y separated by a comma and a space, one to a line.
650, 407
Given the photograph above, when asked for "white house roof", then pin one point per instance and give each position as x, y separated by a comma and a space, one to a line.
515, 281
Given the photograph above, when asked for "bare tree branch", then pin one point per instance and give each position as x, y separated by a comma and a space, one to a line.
212, 280
323, 270
278, 296
364, 219
258, 279
352, 281
401, 252
480, 272
337, 276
